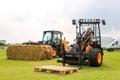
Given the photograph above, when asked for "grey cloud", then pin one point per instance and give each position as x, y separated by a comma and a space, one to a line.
68, 10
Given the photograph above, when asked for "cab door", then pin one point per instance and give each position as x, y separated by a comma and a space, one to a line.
57, 38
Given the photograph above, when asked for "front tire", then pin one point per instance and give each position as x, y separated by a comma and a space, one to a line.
54, 53
110, 50
96, 57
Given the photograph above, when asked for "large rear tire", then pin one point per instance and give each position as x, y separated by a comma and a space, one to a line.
96, 57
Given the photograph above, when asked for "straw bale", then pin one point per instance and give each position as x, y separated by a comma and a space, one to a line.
29, 52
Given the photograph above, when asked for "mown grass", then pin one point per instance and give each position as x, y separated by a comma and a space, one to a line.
24, 70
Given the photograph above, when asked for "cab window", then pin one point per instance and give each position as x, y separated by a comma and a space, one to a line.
57, 38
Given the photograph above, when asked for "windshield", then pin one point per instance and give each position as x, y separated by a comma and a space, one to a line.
47, 38
84, 27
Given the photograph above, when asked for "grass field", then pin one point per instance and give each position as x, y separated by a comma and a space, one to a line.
24, 70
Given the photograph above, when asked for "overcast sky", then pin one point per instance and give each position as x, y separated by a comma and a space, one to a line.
23, 20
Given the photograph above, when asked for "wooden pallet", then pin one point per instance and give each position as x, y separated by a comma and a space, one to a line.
56, 69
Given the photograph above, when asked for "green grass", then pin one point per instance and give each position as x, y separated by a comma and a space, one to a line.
24, 70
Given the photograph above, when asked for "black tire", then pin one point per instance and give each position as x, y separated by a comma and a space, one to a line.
110, 50
96, 57
54, 56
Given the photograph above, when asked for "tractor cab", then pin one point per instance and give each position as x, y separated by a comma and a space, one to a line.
82, 25
53, 38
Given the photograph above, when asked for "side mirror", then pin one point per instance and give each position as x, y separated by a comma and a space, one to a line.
103, 22
116, 42
73, 22
112, 44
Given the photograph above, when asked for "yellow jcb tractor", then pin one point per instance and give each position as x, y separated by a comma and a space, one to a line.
87, 49
54, 39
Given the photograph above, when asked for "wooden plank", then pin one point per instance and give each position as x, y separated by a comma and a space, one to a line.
56, 69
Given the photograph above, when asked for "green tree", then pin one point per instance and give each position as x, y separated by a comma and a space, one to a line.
3, 44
